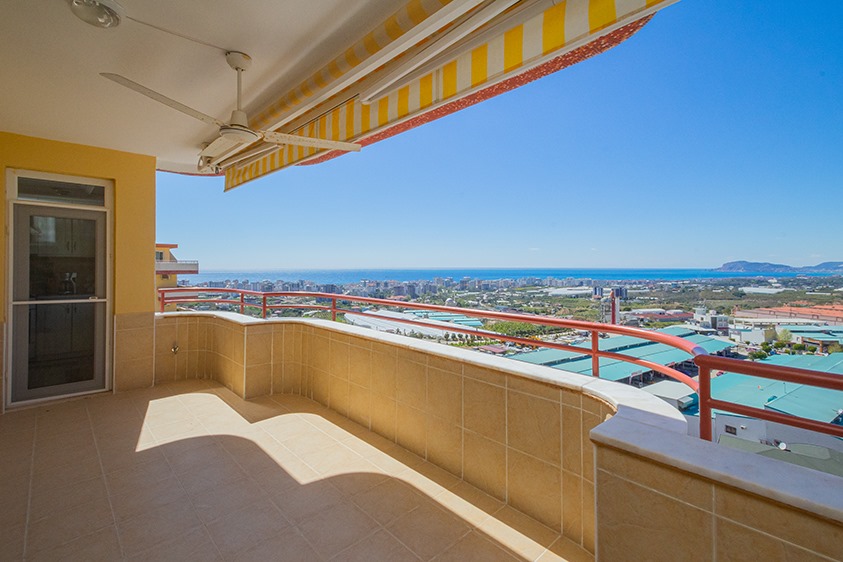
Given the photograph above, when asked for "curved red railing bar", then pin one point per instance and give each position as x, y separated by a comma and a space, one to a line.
705, 362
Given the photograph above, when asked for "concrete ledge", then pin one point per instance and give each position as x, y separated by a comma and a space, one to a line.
803, 488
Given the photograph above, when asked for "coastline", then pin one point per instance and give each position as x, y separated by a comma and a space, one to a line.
350, 276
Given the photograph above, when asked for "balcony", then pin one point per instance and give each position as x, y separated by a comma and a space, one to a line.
336, 442
176, 267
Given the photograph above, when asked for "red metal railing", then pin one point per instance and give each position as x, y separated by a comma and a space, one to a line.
705, 362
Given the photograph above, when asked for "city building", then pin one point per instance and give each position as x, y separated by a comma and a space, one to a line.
129, 433
168, 268
830, 314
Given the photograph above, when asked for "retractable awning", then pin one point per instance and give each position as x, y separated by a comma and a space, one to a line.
432, 58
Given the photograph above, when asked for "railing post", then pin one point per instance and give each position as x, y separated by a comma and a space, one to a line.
595, 357
161, 299
263, 305
704, 395
334, 309
242, 303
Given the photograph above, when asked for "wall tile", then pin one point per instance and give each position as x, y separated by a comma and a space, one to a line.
532, 387
484, 409
338, 400
668, 480
360, 404
534, 487
484, 464
444, 444
360, 366
258, 380
638, 520
482, 374
411, 384
572, 506
444, 395
533, 426
572, 433
411, 429
133, 321
589, 422
258, 346
383, 374
129, 375
784, 522
736, 543
384, 416
134, 345
338, 358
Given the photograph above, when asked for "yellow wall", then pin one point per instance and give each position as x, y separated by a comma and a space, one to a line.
134, 207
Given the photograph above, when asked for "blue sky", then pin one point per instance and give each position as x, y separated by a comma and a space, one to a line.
714, 134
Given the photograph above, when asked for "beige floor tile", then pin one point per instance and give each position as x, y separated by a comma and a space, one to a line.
193, 546
379, 546
14, 499
301, 502
66, 474
60, 527
519, 533
141, 499
388, 501
61, 456
362, 478
175, 457
44, 502
184, 459
179, 430
309, 442
477, 547
470, 504
564, 550
219, 501
115, 456
288, 545
212, 475
124, 480
332, 530
428, 530
156, 526
252, 456
101, 545
247, 527
11, 541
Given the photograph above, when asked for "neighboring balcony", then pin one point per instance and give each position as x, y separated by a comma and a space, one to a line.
176, 267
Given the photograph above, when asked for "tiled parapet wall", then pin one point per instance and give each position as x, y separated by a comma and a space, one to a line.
667, 496
517, 431
134, 350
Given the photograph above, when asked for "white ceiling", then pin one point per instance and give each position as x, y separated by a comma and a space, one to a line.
50, 63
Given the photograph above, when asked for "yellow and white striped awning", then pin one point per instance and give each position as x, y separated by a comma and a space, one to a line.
528, 37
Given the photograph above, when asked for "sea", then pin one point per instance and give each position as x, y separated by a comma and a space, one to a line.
348, 276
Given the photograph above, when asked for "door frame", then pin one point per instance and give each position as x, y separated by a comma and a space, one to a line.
12, 176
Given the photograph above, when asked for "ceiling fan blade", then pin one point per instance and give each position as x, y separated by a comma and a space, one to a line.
123, 81
284, 138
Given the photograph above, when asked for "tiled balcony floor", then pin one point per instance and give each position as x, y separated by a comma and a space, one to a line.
190, 472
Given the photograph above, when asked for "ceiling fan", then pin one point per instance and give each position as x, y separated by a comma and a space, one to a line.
235, 134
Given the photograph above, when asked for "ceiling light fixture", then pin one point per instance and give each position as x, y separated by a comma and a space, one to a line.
99, 13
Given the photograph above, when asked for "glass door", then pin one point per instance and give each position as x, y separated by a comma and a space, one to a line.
59, 305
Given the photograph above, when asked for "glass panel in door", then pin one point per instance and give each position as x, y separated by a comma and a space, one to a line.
59, 306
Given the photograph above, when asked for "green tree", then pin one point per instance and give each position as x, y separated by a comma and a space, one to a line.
785, 336
835, 348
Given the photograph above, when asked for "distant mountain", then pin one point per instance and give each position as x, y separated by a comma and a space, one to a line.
766, 267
